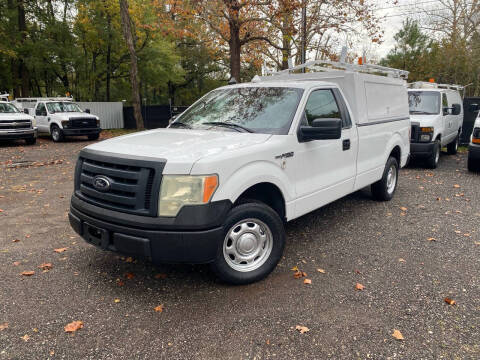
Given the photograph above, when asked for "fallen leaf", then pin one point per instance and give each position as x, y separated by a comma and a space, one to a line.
60, 250
302, 329
467, 235
295, 268
160, 276
321, 271
15, 240
116, 301
397, 334
477, 242
73, 326
46, 266
16, 263
307, 281
449, 301
28, 273
456, 186
25, 337
403, 208
458, 231
431, 239
402, 260
359, 286
120, 282
129, 275
159, 308
129, 259
1, 210
3, 326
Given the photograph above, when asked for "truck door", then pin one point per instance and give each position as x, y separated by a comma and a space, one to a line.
447, 120
326, 167
41, 117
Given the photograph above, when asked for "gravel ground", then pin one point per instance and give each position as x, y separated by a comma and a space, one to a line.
410, 254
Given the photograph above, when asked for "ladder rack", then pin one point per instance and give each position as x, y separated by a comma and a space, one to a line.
431, 85
327, 65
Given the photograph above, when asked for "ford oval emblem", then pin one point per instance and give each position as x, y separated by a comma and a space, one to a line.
102, 183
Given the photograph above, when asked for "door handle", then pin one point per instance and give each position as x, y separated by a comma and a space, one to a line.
346, 144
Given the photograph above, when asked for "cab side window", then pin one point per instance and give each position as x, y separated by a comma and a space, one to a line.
41, 110
321, 104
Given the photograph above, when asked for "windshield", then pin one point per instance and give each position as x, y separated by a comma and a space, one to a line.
8, 108
61, 106
267, 110
424, 102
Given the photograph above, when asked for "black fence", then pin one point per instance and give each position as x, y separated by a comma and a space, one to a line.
154, 116
469, 116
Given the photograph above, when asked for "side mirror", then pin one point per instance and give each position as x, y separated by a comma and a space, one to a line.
321, 129
87, 111
456, 109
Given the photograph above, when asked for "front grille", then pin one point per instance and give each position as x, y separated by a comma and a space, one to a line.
82, 123
15, 124
134, 183
415, 137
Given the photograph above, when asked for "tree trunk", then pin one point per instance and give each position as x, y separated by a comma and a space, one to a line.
235, 48
109, 55
22, 68
130, 40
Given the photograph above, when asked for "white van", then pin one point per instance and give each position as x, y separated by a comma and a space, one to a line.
474, 147
436, 112
218, 185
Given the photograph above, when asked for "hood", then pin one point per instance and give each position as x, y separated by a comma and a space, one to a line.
73, 115
180, 147
425, 120
14, 116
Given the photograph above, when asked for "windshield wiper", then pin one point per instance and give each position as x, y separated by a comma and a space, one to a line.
180, 124
230, 125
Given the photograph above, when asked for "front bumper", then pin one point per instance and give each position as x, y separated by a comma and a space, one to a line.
419, 149
191, 237
18, 134
79, 132
474, 152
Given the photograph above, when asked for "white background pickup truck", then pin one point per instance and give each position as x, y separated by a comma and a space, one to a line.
217, 186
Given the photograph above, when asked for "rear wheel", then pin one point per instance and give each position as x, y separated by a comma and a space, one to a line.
384, 189
253, 243
31, 141
432, 161
57, 133
452, 148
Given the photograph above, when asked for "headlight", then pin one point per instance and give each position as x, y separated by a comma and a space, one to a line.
65, 124
179, 190
426, 134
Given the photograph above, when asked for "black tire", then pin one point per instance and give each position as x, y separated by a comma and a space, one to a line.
253, 211
93, 136
57, 133
382, 190
31, 141
452, 148
434, 158
472, 165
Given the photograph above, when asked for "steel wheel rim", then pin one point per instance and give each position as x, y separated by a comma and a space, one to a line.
391, 179
55, 134
247, 245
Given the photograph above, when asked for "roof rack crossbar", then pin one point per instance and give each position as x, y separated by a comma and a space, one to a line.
334, 65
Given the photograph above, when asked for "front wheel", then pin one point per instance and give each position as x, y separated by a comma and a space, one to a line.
384, 189
434, 158
452, 148
473, 166
253, 243
57, 133
94, 136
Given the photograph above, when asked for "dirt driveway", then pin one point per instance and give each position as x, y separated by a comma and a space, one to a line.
409, 254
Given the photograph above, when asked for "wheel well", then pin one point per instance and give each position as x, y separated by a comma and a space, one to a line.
267, 193
439, 137
396, 153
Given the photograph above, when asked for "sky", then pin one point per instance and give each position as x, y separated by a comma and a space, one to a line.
392, 17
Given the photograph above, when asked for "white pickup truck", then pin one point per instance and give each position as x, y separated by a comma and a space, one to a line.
436, 112
61, 117
15, 124
218, 185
